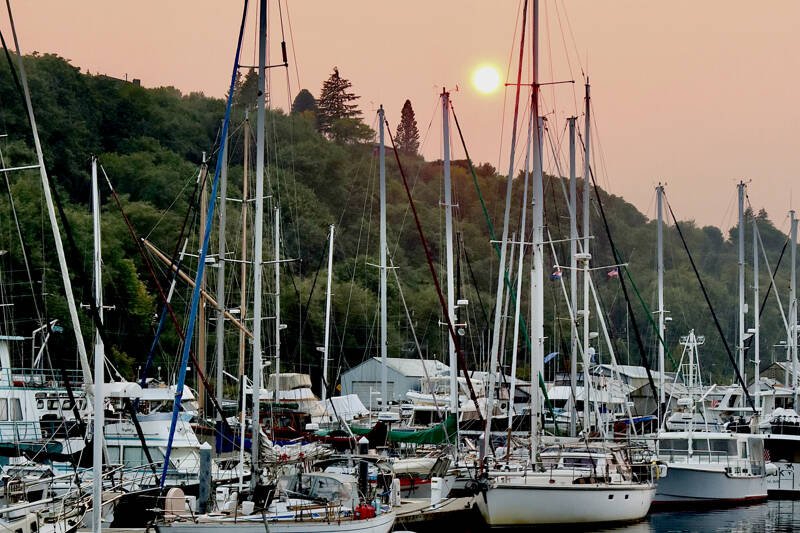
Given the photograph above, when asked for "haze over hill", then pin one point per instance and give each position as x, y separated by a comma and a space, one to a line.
150, 142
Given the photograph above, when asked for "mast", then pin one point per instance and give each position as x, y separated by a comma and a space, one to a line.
573, 277
661, 329
501, 267
326, 348
278, 325
793, 306
448, 225
537, 270
243, 244
756, 317
382, 165
201, 311
62, 261
258, 236
99, 360
741, 283
586, 256
220, 326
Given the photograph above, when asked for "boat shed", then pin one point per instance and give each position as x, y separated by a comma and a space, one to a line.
402, 375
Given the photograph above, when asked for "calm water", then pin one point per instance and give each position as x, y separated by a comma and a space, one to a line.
769, 517
772, 516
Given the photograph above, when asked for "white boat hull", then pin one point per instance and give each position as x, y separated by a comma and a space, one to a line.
380, 524
519, 504
697, 483
786, 481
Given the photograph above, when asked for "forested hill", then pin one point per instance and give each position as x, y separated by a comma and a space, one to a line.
321, 170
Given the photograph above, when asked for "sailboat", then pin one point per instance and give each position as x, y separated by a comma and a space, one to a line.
580, 482
296, 501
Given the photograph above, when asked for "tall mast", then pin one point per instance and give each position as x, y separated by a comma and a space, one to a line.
573, 276
99, 360
793, 306
756, 317
586, 256
201, 311
741, 284
326, 348
448, 225
501, 267
537, 275
220, 330
258, 237
243, 245
278, 325
661, 330
62, 261
382, 165
537, 270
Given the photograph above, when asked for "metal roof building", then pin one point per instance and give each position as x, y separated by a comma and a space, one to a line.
403, 375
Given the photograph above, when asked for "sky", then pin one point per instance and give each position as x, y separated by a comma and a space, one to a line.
698, 95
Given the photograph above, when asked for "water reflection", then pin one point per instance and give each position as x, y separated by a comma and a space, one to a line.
773, 516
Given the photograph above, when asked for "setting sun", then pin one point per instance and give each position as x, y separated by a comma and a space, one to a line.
486, 79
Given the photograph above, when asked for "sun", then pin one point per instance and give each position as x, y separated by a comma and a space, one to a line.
486, 79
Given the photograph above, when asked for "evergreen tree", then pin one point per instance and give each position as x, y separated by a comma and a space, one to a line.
407, 135
304, 101
336, 102
246, 91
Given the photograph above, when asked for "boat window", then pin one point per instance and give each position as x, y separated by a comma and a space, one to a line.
744, 451
34, 526
66, 404
113, 454
16, 409
700, 445
52, 405
674, 444
724, 445
578, 462
40, 404
3, 409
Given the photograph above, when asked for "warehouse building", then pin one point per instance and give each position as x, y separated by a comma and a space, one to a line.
403, 375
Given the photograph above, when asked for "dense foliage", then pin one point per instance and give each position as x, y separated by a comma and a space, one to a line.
151, 143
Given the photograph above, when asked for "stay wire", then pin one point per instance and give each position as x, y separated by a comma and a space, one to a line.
711, 308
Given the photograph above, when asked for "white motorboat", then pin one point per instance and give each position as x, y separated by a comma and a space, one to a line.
706, 467
575, 483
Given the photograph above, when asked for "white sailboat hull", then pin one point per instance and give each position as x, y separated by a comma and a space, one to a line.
696, 483
521, 504
380, 524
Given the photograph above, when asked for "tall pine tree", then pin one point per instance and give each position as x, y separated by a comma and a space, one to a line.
336, 102
407, 136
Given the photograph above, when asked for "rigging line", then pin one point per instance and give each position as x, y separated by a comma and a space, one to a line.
461, 359
175, 260
291, 39
711, 308
417, 175
512, 292
508, 73
772, 281
618, 260
304, 313
477, 289
164, 298
419, 350
201, 262
23, 245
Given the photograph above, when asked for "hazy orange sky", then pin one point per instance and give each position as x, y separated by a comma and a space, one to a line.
697, 94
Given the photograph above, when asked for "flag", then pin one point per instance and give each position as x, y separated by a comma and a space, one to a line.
613, 273
556, 273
